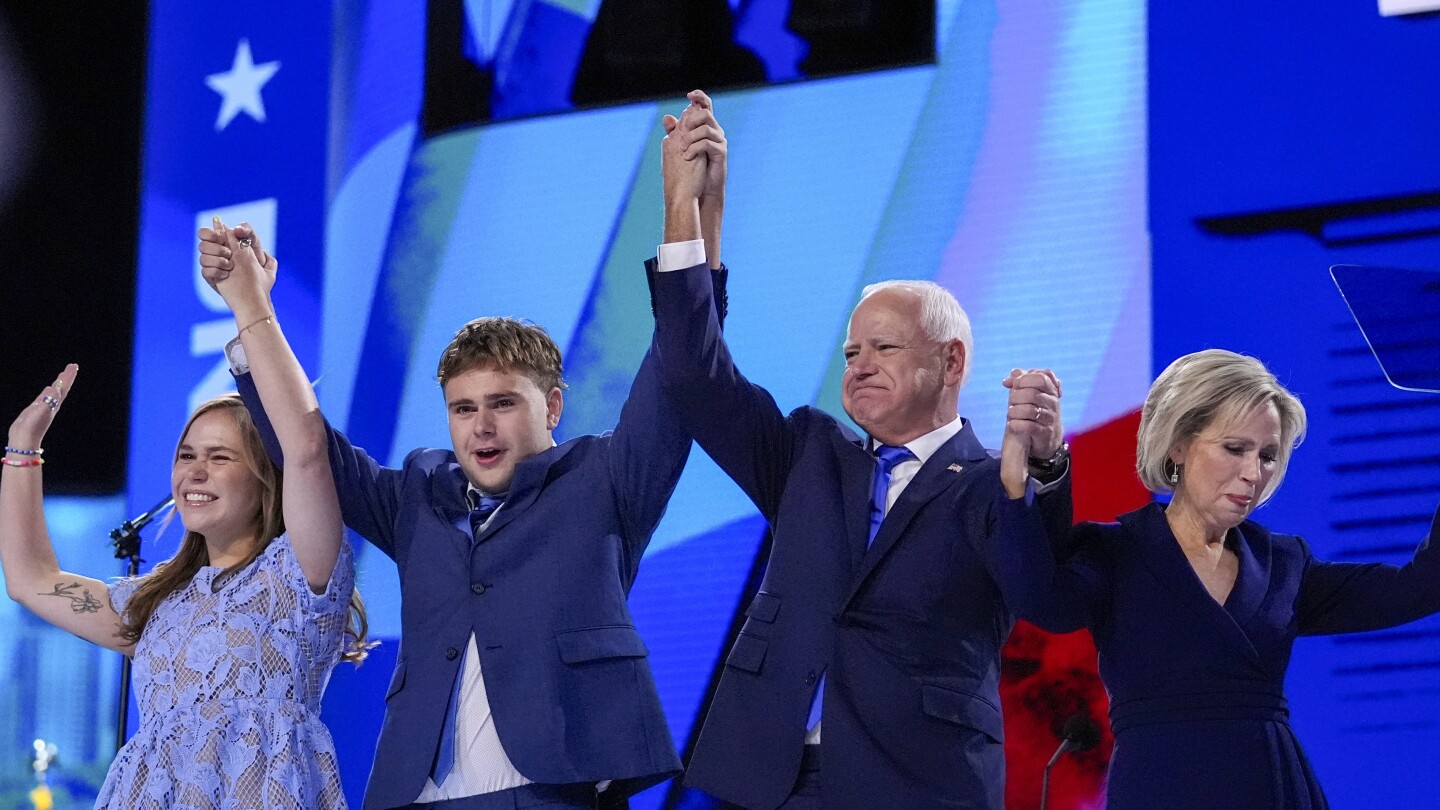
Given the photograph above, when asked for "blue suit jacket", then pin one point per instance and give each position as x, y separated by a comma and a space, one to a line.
543, 589
907, 632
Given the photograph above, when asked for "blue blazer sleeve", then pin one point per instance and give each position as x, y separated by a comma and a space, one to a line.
1356, 597
647, 454
1058, 596
736, 422
650, 444
369, 493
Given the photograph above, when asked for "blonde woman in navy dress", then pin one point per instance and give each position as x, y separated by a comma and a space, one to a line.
234, 637
1194, 607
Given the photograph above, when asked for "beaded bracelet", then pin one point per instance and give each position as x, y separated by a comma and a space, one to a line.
39, 451
24, 462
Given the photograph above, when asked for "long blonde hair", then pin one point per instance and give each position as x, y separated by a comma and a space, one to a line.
177, 572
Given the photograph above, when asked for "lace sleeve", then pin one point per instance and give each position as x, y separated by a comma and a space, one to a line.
336, 597
120, 592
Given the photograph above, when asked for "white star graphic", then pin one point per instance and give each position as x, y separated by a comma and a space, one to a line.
239, 88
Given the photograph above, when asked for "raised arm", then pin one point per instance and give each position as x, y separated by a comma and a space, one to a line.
1023, 539
650, 444
236, 264
737, 423
33, 577
1358, 597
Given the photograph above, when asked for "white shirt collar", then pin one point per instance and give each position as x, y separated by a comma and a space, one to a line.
925, 446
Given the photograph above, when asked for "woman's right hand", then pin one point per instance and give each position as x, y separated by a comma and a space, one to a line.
242, 274
28, 429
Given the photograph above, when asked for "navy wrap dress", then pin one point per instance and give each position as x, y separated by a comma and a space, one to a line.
1196, 687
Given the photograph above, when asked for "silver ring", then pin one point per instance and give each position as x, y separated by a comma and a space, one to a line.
51, 401
246, 241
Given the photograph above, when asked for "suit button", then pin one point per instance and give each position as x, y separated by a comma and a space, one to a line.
477, 588
451, 653
810, 678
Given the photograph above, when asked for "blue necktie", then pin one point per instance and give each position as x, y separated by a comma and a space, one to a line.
445, 755
886, 458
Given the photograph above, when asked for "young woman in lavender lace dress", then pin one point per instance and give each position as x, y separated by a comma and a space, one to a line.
235, 636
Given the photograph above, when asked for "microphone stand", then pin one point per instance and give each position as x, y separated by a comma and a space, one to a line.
1079, 734
1065, 745
126, 540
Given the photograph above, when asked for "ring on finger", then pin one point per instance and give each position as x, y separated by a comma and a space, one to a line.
246, 241
1038, 411
50, 401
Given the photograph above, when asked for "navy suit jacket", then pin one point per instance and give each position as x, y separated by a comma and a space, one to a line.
907, 632
543, 589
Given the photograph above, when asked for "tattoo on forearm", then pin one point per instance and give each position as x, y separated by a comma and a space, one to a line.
79, 603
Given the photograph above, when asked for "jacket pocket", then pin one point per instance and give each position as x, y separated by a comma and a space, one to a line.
764, 607
397, 681
963, 709
599, 643
748, 653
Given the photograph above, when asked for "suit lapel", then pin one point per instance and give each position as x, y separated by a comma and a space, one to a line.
1167, 563
1253, 548
447, 498
857, 467
938, 474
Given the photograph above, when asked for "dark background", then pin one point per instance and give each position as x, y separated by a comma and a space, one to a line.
68, 226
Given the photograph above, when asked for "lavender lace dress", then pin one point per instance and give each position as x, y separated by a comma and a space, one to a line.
228, 685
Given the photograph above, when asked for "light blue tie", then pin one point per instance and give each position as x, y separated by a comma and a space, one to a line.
445, 754
887, 458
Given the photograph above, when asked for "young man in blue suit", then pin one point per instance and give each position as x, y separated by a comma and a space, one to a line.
882, 583
521, 680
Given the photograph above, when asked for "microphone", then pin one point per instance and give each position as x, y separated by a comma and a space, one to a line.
1079, 733
126, 538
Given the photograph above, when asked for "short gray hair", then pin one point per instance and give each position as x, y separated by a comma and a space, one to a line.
942, 319
1199, 388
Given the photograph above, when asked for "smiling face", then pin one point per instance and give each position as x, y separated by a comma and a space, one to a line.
1225, 469
216, 490
899, 383
497, 420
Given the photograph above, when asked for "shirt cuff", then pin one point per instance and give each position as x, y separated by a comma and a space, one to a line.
1051, 486
235, 353
680, 255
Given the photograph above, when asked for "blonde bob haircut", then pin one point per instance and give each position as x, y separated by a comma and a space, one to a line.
1193, 393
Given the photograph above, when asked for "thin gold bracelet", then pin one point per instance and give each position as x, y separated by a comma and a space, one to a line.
254, 324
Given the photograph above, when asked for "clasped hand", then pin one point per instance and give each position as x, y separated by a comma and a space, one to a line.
235, 264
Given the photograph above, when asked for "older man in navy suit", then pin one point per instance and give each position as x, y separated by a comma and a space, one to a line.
521, 680
875, 637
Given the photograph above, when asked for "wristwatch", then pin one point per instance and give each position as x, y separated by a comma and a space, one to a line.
1050, 469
